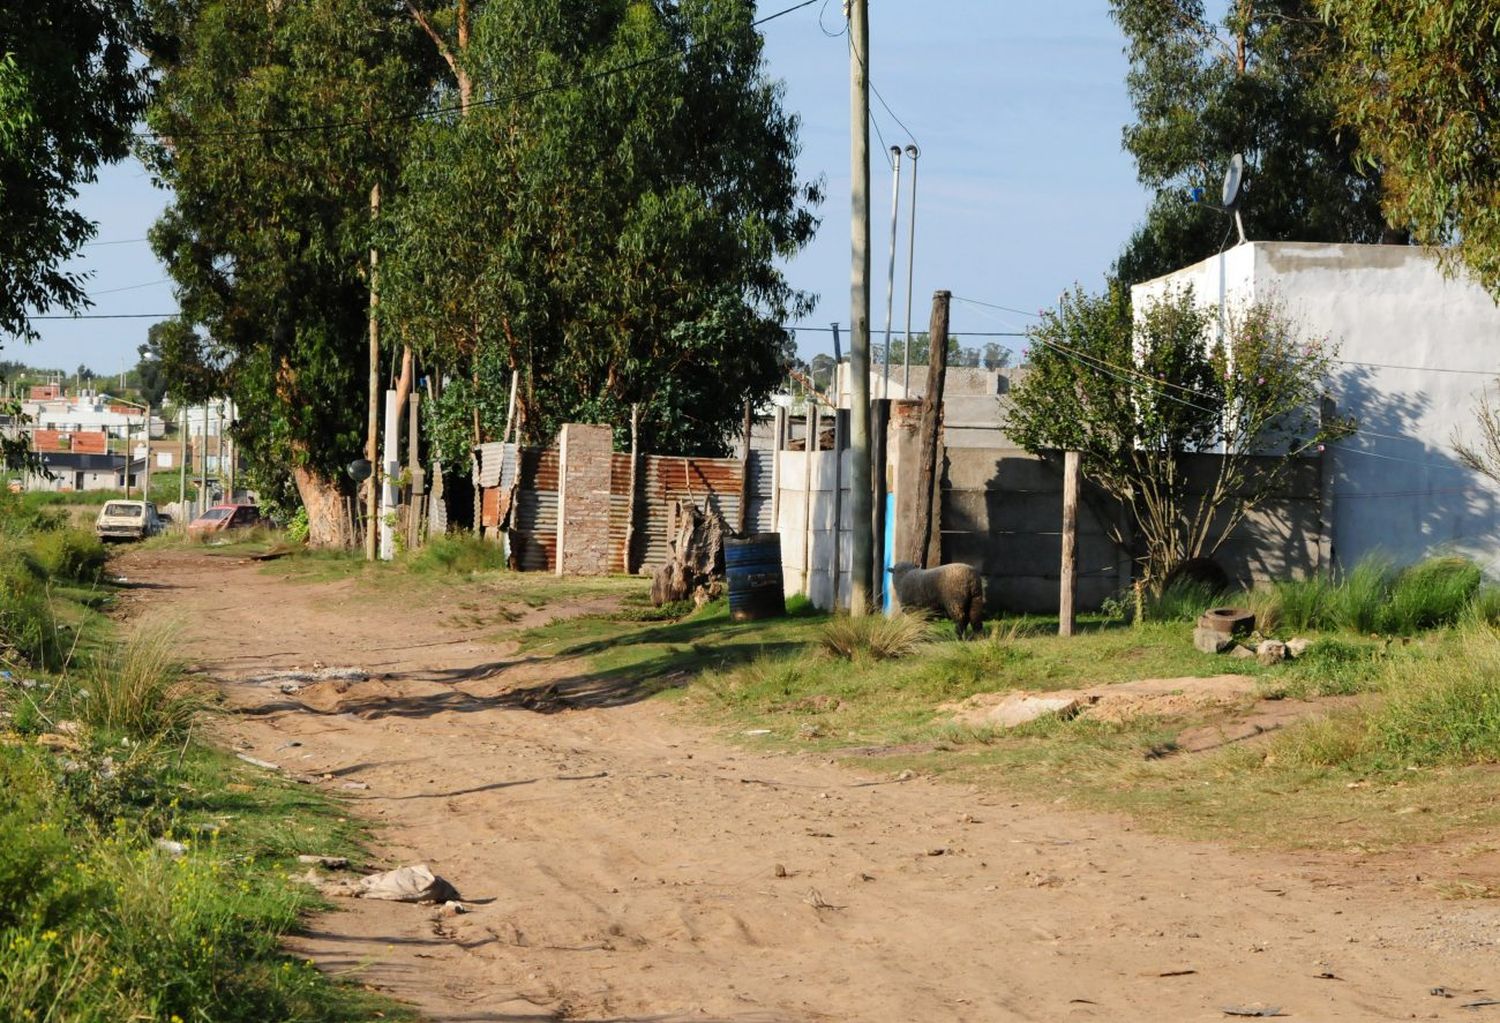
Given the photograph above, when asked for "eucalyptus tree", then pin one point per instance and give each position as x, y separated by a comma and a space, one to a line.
272, 121
602, 213
69, 95
1258, 80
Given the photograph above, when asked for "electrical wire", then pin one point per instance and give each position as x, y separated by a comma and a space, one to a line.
118, 241
417, 115
131, 287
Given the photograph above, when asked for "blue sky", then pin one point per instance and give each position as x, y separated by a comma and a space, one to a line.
1023, 187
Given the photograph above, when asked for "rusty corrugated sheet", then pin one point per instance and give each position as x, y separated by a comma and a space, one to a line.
533, 534
710, 482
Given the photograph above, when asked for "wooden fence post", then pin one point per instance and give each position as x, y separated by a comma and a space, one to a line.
922, 536
1065, 613
635, 462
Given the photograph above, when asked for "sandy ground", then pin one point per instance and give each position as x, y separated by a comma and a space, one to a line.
621, 866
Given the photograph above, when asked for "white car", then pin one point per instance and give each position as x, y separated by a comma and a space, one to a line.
127, 520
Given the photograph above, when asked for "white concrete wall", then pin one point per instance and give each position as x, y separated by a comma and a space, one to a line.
1417, 348
811, 571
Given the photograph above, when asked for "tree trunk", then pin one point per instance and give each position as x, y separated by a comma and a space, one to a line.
325, 508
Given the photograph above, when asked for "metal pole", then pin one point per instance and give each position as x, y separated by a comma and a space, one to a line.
890, 276
203, 464
860, 498
127, 454
146, 466
182, 469
911, 261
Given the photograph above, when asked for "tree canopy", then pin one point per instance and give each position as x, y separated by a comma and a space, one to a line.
1419, 82
272, 123
605, 219
1135, 391
70, 91
1259, 81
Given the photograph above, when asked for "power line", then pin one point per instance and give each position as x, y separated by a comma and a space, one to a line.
131, 287
992, 305
1420, 369
110, 316
417, 115
118, 241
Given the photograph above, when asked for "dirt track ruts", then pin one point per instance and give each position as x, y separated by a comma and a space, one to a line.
621, 865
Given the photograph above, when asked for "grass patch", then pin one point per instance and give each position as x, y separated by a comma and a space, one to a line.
457, 553
874, 637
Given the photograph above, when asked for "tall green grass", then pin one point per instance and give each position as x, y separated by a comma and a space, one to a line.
457, 554
1374, 598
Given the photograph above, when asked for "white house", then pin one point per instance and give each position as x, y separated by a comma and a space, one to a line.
1416, 349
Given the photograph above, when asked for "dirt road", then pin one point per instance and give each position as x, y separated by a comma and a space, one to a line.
623, 866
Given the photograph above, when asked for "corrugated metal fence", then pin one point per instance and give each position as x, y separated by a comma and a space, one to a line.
662, 480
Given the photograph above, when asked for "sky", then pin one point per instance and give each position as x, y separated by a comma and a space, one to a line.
1023, 187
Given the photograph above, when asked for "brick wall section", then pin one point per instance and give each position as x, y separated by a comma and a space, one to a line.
584, 452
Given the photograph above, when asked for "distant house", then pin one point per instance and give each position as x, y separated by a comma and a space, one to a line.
1416, 348
78, 471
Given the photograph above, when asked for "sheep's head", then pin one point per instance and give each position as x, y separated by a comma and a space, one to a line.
901, 568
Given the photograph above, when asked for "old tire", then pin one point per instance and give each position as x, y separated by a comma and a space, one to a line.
1232, 621
1203, 572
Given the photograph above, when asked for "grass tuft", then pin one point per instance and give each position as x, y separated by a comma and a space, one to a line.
875, 637
137, 689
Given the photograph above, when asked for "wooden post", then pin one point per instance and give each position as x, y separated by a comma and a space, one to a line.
778, 443
635, 462
923, 535
1065, 614
182, 469
414, 467
372, 422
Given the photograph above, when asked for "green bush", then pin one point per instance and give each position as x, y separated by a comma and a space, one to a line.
137, 689
1303, 603
72, 554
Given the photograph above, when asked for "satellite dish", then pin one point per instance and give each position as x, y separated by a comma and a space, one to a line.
359, 470
1234, 177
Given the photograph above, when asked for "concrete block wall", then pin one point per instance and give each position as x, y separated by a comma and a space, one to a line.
583, 542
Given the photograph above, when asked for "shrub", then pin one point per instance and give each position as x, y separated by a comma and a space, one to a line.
876, 637
297, 527
1430, 594
69, 554
458, 554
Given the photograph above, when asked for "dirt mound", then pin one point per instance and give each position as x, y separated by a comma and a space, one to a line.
337, 695
1124, 701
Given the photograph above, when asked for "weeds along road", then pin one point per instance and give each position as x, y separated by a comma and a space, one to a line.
621, 864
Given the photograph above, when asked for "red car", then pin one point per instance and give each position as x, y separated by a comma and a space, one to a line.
223, 517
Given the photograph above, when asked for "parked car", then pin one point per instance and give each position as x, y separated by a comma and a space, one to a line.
222, 517
127, 520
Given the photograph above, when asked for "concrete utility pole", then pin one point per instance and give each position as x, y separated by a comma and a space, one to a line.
911, 259
890, 275
146, 465
373, 421
860, 498
182, 469
203, 464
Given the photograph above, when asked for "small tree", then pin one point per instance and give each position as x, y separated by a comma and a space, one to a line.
1135, 395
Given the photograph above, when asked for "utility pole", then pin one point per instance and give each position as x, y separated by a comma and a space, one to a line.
860, 497
146, 465
182, 469
890, 275
911, 259
373, 422
203, 464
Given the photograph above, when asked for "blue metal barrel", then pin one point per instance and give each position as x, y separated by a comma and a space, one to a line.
753, 565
